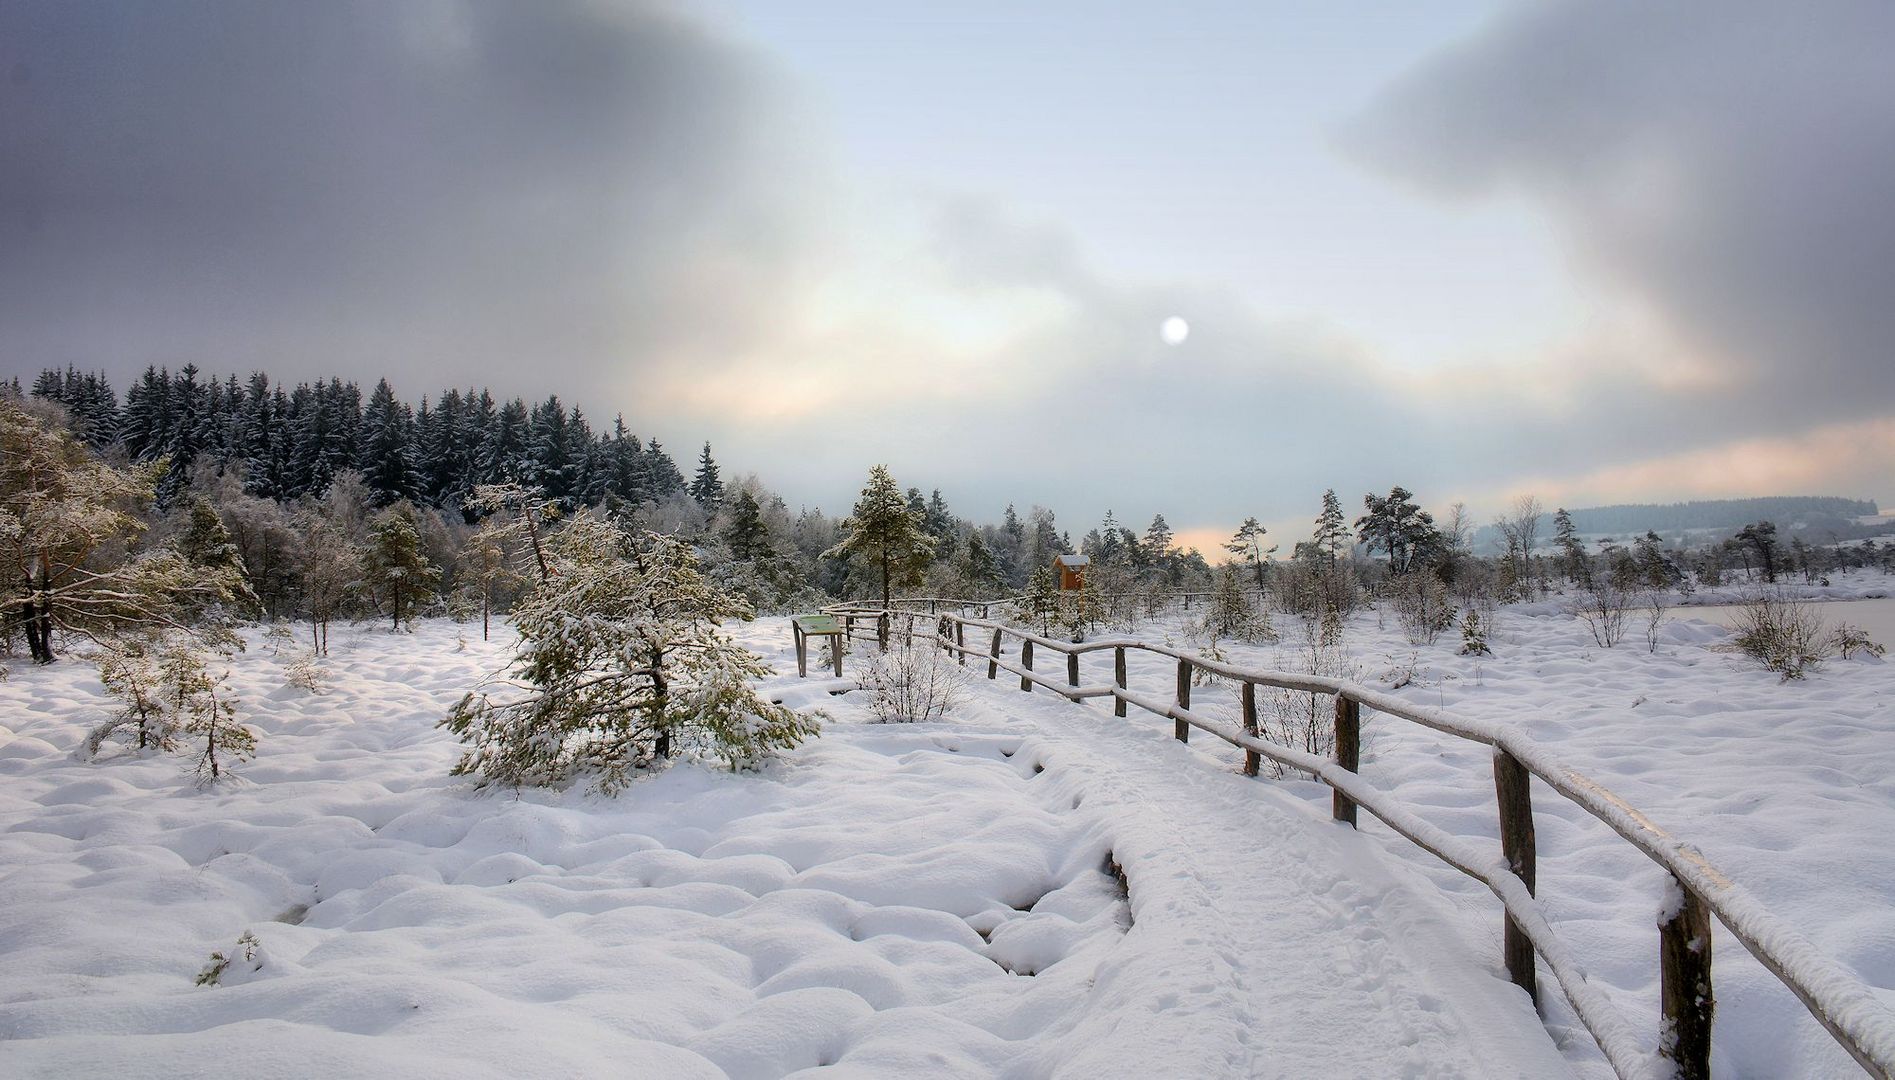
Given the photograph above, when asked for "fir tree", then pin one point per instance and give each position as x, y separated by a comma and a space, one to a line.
388, 447
1398, 527
1573, 558
706, 488
747, 534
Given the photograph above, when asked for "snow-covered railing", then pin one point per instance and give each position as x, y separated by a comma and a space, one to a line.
1840, 1001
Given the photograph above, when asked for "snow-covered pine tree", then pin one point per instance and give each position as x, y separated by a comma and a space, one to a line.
206, 544
621, 660
64, 517
1247, 544
706, 487
201, 708
1158, 546
884, 534
628, 474
1332, 528
128, 666
397, 567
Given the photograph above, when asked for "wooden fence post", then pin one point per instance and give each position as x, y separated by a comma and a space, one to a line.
1026, 661
1684, 960
835, 651
1179, 729
1118, 676
960, 640
881, 630
1513, 792
993, 652
1072, 671
1348, 753
1252, 760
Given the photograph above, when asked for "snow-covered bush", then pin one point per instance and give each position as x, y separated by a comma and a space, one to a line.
911, 682
169, 698
305, 673
1422, 607
1474, 635
620, 658
246, 952
1232, 614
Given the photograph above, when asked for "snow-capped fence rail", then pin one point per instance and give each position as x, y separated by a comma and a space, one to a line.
1841, 1002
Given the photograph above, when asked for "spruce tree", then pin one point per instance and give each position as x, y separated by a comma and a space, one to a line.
747, 534
706, 488
388, 447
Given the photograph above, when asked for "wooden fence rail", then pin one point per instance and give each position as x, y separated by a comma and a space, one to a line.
1840, 1001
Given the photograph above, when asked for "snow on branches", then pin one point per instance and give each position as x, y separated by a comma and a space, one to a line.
621, 661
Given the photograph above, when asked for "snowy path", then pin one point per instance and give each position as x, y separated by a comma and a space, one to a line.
1266, 937
1332, 961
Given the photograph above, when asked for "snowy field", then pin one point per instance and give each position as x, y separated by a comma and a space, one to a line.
930, 900
918, 900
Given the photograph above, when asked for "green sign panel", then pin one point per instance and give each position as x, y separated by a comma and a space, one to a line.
817, 624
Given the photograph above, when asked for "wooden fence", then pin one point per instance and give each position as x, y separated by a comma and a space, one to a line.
1841, 1002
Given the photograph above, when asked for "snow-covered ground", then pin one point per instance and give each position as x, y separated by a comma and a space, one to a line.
916, 900
1790, 787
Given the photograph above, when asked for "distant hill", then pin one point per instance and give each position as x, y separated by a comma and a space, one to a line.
1674, 520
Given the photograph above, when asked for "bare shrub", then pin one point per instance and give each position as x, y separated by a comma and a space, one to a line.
1296, 718
911, 682
1782, 633
1849, 640
1606, 607
1656, 604
1422, 607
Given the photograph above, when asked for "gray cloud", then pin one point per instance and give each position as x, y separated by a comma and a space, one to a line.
1728, 163
462, 191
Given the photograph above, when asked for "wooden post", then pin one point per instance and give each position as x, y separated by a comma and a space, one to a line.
960, 639
993, 651
802, 650
881, 630
1072, 670
931, 608
1684, 959
1179, 729
908, 633
1252, 760
1512, 790
1026, 661
836, 642
1348, 753
1118, 676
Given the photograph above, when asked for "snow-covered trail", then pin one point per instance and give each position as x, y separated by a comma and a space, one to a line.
1293, 946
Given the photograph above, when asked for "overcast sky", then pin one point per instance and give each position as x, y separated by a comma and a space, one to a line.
1598, 251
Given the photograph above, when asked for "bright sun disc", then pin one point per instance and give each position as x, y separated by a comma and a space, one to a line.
1174, 330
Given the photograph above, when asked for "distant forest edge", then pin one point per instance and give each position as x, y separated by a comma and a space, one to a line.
1813, 513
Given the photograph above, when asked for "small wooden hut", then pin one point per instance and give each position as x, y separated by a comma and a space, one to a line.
1072, 571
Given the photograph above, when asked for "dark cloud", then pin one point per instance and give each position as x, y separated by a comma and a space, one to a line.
450, 191
1729, 163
